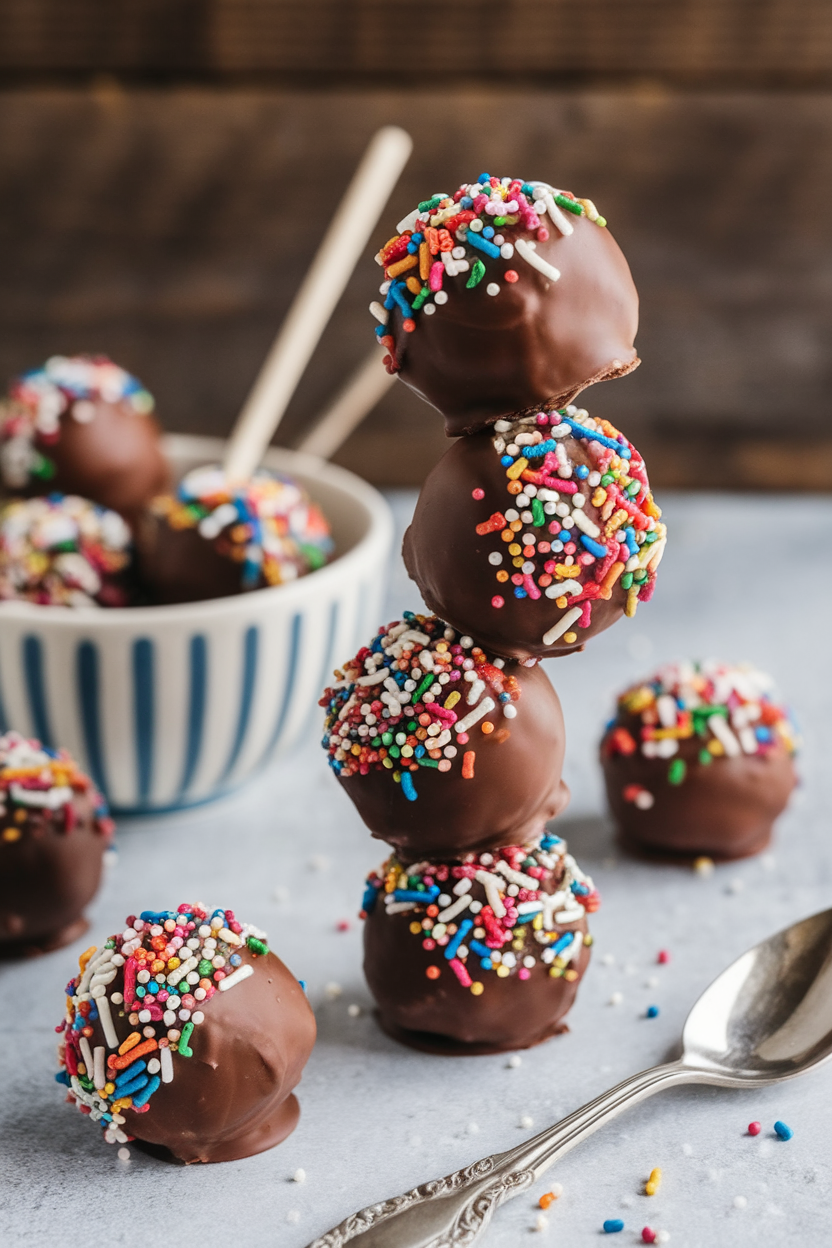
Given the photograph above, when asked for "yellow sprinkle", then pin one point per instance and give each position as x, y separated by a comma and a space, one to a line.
414, 285
599, 496
401, 266
537, 923
716, 748
12, 834
416, 929
476, 989
570, 975
654, 1182
452, 699
704, 866
555, 971
562, 602
515, 549
502, 971
85, 957
631, 605
520, 465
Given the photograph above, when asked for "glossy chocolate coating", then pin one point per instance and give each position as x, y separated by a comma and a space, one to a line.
233, 1097
481, 356
180, 565
448, 559
722, 810
48, 876
114, 459
440, 1015
515, 789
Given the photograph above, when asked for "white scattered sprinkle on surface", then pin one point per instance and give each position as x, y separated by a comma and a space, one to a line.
354, 1010
541, 1222
299, 1176
617, 998
124, 1154
293, 1215
740, 1202
333, 990
526, 1121
514, 1061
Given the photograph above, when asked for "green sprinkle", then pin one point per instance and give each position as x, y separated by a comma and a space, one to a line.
395, 752
422, 296
387, 738
428, 205
706, 757
184, 987
187, 1032
426, 683
538, 514
569, 205
676, 771
626, 580
602, 221
476, 275
650, 537
500, 220
257, 946
412, 726
607, 478
205, 968
640, 577
376, 742
633, 488
42, 468
427, 762
314, 556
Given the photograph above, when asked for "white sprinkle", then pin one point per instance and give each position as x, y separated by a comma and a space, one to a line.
492, 891
107, 1022
299, 1176
236, 977
526, 1121
514, 1061
584, 523
509, 711
473, 717
541, 1222
525, 249
662, 1237
429, 309
440, 297
687, 1149
724, 735
333, 990
740, 1202
456, 907
166, 1062
379, 312
617, 998
123, 1154
99, 1078
563, 625
492, 289
353, 1010
293, 1215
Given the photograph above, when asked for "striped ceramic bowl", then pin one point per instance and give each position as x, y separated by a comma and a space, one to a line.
169, 706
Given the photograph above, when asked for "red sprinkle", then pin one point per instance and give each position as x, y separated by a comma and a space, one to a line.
498, 601
478, 494
754, 1128
342, 925
511, 275
648, 1235
663, 957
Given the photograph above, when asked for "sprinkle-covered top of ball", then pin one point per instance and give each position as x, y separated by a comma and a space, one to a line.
725, 711
505, 294
63, 550
34, 778
502, 912
269, 526
160, 973
412, 699
30, 416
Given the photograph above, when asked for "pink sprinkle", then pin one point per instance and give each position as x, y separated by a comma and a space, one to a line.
530, 587
437, 273
663, 957
523, 973
498, 601
478, 494
460, 972
542, 418
542, 234
342, 925
648, 1235
462, 738
754, 1128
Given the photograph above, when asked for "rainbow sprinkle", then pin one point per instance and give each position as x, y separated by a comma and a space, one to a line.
63, 550
36, 401
35, 778
268, 525
137, 1000
726, 711
480, 227
582, 517
411, 698
503, 912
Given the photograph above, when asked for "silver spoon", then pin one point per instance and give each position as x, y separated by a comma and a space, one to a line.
767, 1018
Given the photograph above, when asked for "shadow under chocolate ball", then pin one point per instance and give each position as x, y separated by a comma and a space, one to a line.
515, 788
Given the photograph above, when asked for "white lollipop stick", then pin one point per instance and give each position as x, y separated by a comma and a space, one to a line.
315, 302
349, 407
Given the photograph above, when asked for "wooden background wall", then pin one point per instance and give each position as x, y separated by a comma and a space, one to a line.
167, 167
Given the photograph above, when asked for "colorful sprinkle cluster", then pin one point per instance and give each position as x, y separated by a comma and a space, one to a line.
726, 711
268, 525
34, 778
582, 517
36, 401
451, 236
157, 974
63, 550
411, 698
502, 912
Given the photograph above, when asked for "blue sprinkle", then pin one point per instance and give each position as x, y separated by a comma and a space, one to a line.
128, 1075
652, 1011
63, 1077
518, 592
632, 544
379, 330
419, 752
484, 179
506, 460
476, 946
613, 1225
135, 1085
562, 943
413, 894
466, 201
408, 787
486, 964
146, 1092
594, 548
504, 697
550, 840
783, 1131
762, 733
397, 291
482, 244
417, 238
302, 983
412, 248
592, 435
369, 899
580, 890
529, 190
542, 448
488, 231
458, 937
582, 471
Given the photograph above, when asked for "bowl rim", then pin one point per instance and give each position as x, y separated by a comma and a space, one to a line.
282, 458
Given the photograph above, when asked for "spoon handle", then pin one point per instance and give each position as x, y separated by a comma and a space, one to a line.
454, 1210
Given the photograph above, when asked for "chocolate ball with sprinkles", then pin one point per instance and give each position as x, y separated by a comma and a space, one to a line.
482, 955
54, 832
442, 747
537, 534
65, 551
699, 761
82, 425
506, 295
185, 1033
212, 539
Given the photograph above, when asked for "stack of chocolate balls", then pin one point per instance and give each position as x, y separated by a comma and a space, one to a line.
535, 531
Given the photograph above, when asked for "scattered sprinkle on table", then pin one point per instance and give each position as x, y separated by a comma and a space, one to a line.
613, 1225
299, 1176
704, 866
784, 1132
353, 1010
740, 1202
654, 1182
664, 957
754, 1128
616, 998
652, 1011
526, 1121
541, 1223
514, 1061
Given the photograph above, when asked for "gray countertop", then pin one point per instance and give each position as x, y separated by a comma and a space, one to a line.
743, 578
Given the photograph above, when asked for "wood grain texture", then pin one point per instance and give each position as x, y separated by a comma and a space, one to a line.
728, 41
170, 228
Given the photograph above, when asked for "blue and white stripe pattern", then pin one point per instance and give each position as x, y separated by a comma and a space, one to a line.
170, 706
